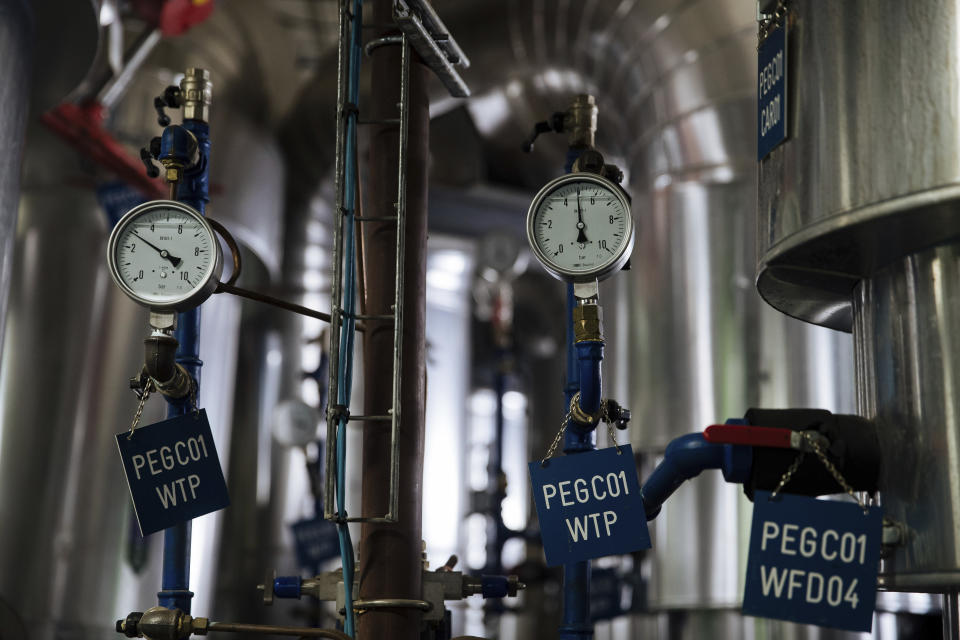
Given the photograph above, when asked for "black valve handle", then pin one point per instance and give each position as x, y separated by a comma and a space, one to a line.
555, 123
147, 159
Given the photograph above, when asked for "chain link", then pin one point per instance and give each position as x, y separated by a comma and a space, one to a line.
193, 399
147, 388
774, 20
817, 448
556, 441
605, 413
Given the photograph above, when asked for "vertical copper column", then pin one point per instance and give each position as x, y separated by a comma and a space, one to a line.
390, 554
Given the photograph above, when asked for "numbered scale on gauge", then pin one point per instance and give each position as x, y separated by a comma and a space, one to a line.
580, 227
165, 255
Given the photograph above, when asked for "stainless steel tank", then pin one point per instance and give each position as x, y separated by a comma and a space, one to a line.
857, 216
870, 170
16, 57
64, 505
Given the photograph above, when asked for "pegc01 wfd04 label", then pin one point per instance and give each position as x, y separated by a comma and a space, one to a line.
813, 561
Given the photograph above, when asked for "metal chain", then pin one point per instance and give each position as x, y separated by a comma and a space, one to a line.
193, 399
817, 448
605, 412
792, 469
147, 388
774, 20
556, 441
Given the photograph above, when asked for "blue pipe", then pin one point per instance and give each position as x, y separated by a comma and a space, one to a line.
345, 363
577, 439
193, 190
685, 458
589, 357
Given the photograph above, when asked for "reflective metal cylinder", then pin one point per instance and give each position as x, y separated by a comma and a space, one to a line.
870, 171
908, 380
16, 44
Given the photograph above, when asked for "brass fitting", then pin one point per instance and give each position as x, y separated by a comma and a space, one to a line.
160, 623
580, 121
197, 92
579, 415
587, 322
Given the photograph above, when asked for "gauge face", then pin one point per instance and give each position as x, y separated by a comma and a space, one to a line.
580, 227
165, 256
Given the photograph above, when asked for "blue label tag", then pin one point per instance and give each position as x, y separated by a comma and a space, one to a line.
315, 541
173, 471
589, 505
772, 92
813, 561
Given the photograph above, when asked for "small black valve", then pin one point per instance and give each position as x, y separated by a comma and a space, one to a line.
147, 158
555, 123
162, 118
616, 415
172, 98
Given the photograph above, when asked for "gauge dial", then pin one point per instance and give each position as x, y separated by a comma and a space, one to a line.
580, 227
165, 256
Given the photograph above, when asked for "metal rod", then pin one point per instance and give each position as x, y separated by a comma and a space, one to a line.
223, 287
951, 615
372, 417
375, 219
336, 293
373, 45
269, 629
392, 603
116, 86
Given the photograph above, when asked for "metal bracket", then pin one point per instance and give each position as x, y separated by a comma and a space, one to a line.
432, 41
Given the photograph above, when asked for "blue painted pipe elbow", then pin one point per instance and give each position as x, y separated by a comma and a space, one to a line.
685, 458
589, 358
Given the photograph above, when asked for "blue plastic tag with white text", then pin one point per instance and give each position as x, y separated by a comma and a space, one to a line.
589, 505
173, 471
813, 561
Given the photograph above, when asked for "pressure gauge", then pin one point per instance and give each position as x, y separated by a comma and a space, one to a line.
165, 256
580, 227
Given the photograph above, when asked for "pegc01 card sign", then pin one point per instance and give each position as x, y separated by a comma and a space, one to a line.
589, 505
173, 471
772, 92
813, 561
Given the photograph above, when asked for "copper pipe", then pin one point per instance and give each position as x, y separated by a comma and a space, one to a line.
307, 632
390, 563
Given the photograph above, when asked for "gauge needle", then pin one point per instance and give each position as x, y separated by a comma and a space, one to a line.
175, 261
581, 236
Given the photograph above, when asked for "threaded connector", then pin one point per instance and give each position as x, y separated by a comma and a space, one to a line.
587, 323
197, 93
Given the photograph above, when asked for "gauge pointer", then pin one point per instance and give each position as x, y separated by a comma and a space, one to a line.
581, 236
175, 261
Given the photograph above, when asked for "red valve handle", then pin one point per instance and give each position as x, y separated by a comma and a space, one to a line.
749, 435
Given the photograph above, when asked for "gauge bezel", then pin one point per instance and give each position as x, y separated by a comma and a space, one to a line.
188, 300
600, 272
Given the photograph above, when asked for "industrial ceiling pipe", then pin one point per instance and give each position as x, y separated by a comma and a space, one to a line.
391, 554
